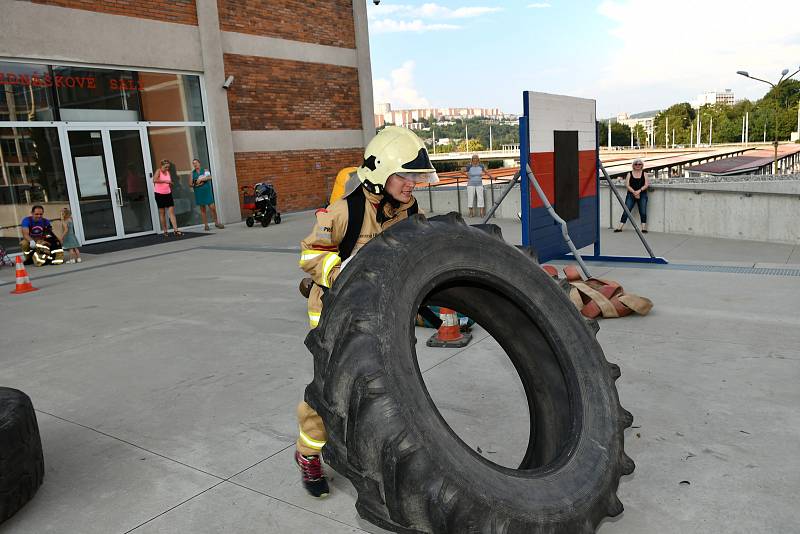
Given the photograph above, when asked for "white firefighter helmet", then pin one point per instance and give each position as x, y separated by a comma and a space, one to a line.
395, 150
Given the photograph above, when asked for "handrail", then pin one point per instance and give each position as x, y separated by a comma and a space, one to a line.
496, 204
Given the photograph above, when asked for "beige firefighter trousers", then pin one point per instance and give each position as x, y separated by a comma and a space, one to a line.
312, 430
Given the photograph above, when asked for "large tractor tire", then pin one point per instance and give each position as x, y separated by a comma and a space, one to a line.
412, 472
21, 460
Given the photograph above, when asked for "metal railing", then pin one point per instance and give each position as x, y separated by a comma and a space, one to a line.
455, 183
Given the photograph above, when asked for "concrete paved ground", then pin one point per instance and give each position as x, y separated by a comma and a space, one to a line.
165, 381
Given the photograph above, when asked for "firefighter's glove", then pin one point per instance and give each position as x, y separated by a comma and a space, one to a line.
305, 286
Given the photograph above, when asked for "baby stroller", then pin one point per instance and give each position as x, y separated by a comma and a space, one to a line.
263, 203
5, 259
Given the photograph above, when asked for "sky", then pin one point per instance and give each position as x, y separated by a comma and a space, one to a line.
629, 55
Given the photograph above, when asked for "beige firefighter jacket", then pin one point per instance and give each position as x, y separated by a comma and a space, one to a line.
319, 250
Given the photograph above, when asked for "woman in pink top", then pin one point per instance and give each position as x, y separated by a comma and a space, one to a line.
162, 186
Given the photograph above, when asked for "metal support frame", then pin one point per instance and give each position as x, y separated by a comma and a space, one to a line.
550, 210
564, 230
596, 256
529, 179
496, 203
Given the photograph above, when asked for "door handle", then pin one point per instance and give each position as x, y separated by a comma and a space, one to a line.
119, 197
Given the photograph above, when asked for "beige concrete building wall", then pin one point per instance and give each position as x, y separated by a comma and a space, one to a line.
37, 32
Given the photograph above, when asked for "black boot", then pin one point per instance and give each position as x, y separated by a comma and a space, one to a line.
313, 478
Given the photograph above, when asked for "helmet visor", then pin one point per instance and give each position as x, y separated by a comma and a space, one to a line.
419, 177
420, 163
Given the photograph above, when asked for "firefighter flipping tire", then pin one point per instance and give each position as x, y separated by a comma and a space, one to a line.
411, 471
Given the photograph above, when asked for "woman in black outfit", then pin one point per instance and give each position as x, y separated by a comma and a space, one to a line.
637, 184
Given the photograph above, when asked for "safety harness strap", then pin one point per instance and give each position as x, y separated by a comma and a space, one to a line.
355, 220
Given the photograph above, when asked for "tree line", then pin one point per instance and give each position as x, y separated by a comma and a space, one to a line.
773, 115
502, 132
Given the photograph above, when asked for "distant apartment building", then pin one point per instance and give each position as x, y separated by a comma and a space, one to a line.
410, 118
646, 119
725, 97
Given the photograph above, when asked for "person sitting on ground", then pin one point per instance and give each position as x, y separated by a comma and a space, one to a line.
34, 227
637, 184
475, 172
377, 196
48, 249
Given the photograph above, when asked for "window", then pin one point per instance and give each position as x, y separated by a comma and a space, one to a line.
25, 92
35, 177
180, 145
86, 94
170, 97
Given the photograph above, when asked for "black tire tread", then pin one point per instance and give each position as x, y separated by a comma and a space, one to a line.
376, 457
21, 459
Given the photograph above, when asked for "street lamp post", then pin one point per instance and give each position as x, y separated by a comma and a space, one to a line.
783, 77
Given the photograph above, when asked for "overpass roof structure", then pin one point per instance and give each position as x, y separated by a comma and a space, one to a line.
728, 160
656, 162
746, 164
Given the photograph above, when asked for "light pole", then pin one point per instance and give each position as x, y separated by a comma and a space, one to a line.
783, 77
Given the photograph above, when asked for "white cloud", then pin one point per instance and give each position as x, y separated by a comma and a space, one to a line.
428, 11
387, 9
393, 26
698, 46
400, 90
437, 11
539, 5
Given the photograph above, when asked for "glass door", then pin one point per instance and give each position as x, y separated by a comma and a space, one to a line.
111, 183
131, 180
97, 197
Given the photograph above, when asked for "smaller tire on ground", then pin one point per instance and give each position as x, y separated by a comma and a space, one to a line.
277, 218
250, 222
21, 459
266, 219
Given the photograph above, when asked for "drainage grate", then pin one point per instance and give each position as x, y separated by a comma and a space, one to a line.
769, 271
764, 271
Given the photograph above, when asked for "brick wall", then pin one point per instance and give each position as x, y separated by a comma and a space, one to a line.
303, 179
326, 22
278, 94
178, 11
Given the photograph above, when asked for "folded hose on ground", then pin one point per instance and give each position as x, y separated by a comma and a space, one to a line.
597, 297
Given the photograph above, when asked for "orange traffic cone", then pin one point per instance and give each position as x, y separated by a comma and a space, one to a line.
449, 334
23, 281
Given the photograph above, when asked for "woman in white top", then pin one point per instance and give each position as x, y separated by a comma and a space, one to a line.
475, 172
